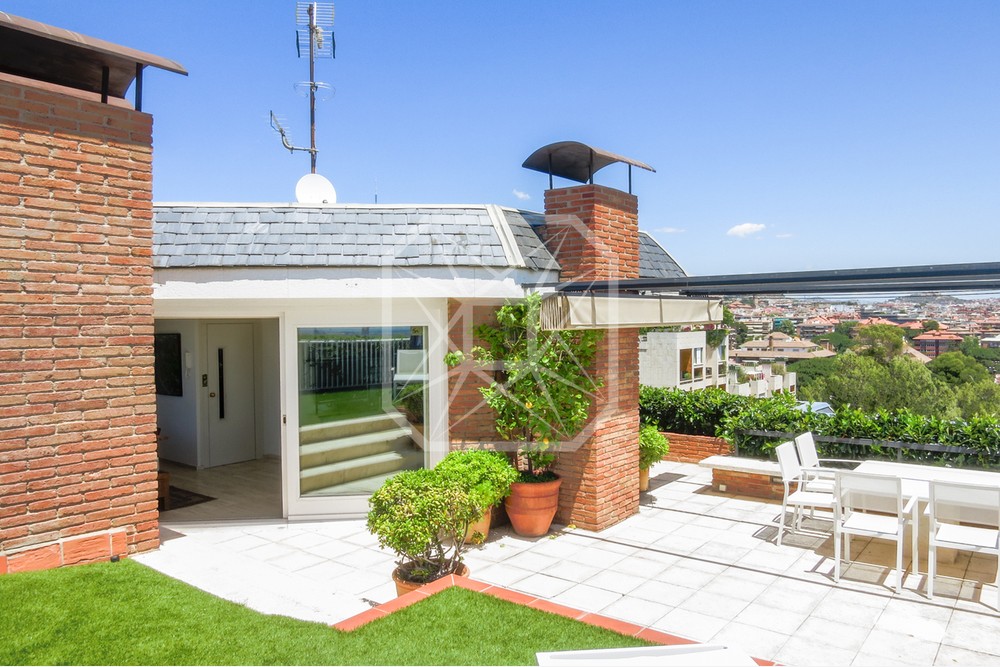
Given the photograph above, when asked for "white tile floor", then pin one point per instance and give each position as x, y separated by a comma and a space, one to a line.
692, 563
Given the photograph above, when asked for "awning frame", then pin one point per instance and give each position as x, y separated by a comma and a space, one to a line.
562, 311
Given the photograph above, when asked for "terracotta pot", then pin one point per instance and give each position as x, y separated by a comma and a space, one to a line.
532, 506
403, 587
481, 526
644, 479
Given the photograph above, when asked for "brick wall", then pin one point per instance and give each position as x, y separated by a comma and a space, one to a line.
694, 448
593, 231
750, 484
601, 479
77, 407
470, 420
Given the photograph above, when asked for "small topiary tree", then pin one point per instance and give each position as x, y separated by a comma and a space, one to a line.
423, 516
653, 446
485, 474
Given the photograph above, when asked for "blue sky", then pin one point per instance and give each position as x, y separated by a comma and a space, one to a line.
785, 135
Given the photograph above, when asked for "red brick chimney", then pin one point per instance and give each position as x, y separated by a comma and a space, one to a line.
593, 231
78, 476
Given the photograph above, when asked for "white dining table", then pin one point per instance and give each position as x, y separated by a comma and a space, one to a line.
916, 478
916, 482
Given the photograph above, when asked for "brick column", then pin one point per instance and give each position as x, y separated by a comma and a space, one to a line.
594, 233
77, 407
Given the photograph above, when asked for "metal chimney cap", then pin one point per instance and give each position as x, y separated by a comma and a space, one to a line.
55, 55
575, 161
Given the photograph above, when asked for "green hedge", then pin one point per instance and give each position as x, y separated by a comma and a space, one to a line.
690, 412
714, 412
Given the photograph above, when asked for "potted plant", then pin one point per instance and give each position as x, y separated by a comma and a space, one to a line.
410, 402
540, 396
653, 446
423, 516
486, 475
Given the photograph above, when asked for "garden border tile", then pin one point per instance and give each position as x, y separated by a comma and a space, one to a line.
598, 620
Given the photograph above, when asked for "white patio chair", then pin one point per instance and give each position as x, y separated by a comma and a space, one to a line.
791, 473
872, 506
818, 477
411, 367
965, 517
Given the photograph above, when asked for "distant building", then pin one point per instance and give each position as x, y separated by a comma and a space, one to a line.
760, 379
816, 326
916, 354
681, 359
869, 321
992, 342
779, 347
684, 360
937, 342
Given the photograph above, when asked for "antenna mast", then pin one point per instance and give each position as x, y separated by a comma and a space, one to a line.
316, 40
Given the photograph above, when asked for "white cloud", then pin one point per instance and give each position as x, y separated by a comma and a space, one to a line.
521, 195
669, 230
746, 229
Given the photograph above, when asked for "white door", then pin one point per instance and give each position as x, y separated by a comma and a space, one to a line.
231, 429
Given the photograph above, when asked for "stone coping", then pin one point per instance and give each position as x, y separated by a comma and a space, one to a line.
741, 464
613, 624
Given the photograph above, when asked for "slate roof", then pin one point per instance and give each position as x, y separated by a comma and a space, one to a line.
524, 225
262, 235
294, 235
655, 262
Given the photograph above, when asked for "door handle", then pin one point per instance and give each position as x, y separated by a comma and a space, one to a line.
222, 385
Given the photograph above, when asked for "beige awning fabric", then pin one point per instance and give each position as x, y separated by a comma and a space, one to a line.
591, 311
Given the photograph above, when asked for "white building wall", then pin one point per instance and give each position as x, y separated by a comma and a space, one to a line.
660, 360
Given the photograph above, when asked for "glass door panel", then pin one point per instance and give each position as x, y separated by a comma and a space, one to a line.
361, 406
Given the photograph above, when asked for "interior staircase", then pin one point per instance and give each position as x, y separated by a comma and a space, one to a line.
355, 455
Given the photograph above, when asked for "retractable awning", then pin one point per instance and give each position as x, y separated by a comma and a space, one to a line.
592, 311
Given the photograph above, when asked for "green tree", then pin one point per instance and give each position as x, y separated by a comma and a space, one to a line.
544, 392
865, 383
715, 337
978, 399
838, 341
969, 345
988, 357
957, 368
931, 325
808, 372
846, 328
882, 342
787, 327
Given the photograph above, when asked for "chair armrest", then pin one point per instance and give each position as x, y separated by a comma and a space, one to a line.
911, 506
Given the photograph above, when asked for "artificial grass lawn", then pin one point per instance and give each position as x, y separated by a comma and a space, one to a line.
337, 405
127, 614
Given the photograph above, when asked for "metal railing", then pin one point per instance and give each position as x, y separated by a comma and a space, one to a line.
896, 445
329, 365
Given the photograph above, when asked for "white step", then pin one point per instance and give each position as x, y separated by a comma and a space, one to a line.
353, 447
348, 427
343, 472
363, 487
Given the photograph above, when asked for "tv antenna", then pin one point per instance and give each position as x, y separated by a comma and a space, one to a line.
315, 39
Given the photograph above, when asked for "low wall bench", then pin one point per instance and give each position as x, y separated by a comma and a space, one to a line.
741, 476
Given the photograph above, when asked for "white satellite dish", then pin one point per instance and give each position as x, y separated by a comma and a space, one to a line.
315, 189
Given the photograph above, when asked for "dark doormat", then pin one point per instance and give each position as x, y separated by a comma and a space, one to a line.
183, 498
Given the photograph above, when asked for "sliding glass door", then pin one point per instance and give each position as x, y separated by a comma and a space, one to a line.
361, 406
